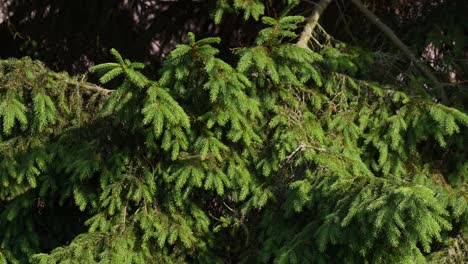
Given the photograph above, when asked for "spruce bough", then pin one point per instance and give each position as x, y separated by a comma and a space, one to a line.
287, 155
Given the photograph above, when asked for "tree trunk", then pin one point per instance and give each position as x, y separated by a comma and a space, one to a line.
393, 37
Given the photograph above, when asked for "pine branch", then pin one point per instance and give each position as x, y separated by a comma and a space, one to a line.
301, 147
90, 87
312, 22
394, 38
83, 85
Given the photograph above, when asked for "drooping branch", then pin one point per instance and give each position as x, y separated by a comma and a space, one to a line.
394, 38
312, 22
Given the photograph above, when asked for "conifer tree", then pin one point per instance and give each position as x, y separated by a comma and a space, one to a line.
276, 154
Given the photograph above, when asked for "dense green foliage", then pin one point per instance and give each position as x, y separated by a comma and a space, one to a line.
272, 154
